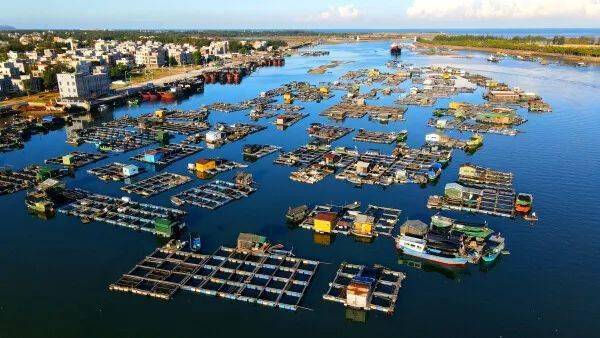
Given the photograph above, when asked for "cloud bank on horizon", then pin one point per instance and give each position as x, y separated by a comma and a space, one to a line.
504, 9
474, 10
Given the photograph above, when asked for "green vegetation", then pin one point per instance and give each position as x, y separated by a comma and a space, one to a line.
529, 43
118, 72
49, 75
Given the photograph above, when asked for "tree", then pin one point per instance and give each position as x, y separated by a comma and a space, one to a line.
49, 75
118, 72
197, 58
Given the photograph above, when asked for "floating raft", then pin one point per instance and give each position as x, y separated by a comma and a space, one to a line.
257, 151
113, 139
212, 195
385, 219
156, 184
304, 155
376, 165
351, 110
221, 165
121, 212
14, 181
177, 127
376, 136
273, 280
327, 132
312, 174
112, 171
491, 202
385, 289
77, 159
288, 119
171, 153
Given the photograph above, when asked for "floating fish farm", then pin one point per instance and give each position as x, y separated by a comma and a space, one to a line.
367, 288
115, 171
274, 280
126, 213
156, 184
213, 195
76, 159
167, 154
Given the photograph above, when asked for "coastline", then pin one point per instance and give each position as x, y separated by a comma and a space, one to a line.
571, 59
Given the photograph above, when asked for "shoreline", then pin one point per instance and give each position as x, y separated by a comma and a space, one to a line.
570, 59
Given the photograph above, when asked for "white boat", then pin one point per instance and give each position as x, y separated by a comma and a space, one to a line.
417, 247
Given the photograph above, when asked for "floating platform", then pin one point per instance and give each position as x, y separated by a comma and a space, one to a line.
14, 181
113, 172
169, 153
288, 119
274, 280
76, 159
312, 173
369, 168
112, 139
304, 155
384, 290
492, 202
384, 219
207, 168
327, 132
256, 151
376, 136
345, 110
156, 184
213, 195
121, 211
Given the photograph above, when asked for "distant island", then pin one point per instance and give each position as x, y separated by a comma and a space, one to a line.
6, 28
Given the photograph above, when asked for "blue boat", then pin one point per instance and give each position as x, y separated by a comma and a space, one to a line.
493, 248
195, 242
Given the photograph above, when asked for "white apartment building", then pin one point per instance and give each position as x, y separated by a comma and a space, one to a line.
151, 57
82, 85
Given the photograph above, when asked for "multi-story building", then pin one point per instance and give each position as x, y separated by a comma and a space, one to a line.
151, 57
9, 69
83, 85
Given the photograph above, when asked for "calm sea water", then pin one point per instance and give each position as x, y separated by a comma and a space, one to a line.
54, 274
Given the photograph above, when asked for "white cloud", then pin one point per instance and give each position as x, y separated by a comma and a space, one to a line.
337, 14
504, 9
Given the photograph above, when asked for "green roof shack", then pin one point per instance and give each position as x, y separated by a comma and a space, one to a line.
165, 227
163, 137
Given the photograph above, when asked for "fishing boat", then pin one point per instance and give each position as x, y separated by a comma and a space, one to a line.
417, 247
395, 49
352, 206
474, 142
418, 240
493, 58
479, 230
149, 96
195, 242
493, 248
133, 102
177, 201
531, 217
523, 203
167, 96
402, 135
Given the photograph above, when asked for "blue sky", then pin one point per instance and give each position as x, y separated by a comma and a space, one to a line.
280, 14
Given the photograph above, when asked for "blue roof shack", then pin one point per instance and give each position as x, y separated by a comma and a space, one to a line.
154, 156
